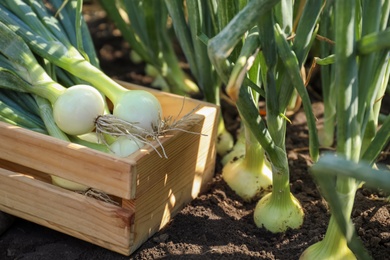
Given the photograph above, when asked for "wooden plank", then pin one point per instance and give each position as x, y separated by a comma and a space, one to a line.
67, 160
164, 188
65, 211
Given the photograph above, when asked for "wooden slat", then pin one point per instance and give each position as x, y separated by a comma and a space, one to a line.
95, 221
67, 160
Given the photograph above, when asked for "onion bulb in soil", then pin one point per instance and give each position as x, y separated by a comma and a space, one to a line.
278, 212
247, 182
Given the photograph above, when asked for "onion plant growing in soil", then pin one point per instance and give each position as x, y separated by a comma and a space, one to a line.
143, 25
194, 22
247, 171
279, 73
358, 78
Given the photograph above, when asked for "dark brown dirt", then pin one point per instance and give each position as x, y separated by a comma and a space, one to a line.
217, 224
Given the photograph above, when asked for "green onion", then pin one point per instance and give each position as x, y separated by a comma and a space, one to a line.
333, 166
136, 106
73, 24
143, 24
279, 65
249, 175
361, 77
74, 114
12, 113
194, 24
53, 130
73, 110
274, 76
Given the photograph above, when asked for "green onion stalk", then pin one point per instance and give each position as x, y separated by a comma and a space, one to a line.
326, 28
194, 24
248, 174
135, 106
144, 25
68, 25
361, 74
280, 64
330, 167
280, 202
224, 48
12, 113
70, 22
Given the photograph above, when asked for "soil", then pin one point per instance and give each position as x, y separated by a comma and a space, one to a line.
217, 224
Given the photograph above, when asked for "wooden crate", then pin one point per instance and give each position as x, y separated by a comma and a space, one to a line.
150, 190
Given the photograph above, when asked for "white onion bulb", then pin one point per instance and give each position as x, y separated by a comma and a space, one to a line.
124, 146
77, 108
139, 107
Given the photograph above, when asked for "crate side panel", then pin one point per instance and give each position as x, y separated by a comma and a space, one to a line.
67, 160
165, 186
65, 211
206, 156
